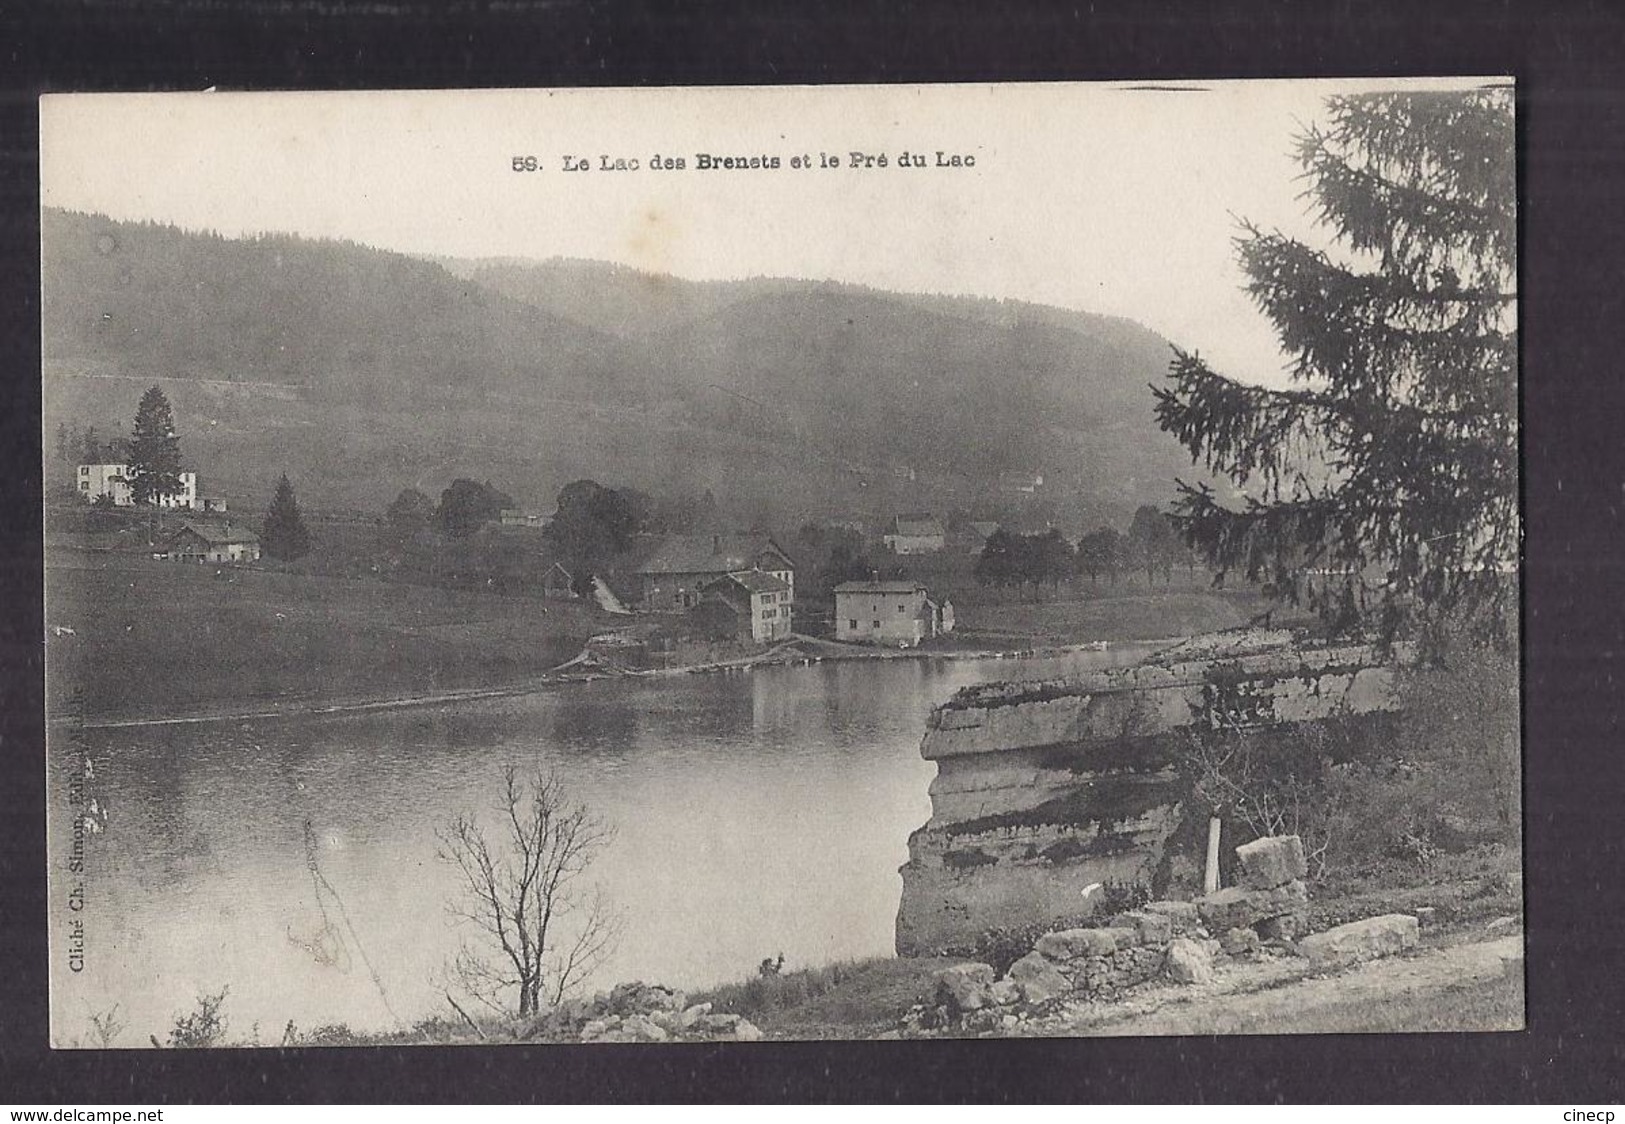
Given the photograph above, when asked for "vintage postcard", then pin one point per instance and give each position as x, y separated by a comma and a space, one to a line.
741, 564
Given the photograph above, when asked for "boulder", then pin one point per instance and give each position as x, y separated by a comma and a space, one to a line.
715, 1026
1188, 962
1038, 979
638, 997
669, 1021
1502, 926
1123, 936
964, 987
1076, 944
642, 1028
747, 1031
1182, 916
1150, 928
1361, 940
1006, 992
691, 1015
596, 1029
1242, 906
1239, 942
1286, 927
1272, 861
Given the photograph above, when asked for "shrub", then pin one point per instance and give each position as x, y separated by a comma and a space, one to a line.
203, 1027
967, 858
1120, 896
1462, 734
1004, 945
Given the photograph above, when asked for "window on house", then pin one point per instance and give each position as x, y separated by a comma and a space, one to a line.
902, 609
852, 624
877, 624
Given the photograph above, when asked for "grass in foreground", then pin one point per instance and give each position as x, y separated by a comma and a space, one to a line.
853, 999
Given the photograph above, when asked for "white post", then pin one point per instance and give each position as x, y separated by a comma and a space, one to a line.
1210, 883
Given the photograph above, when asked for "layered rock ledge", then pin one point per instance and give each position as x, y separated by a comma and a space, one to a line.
1046, 790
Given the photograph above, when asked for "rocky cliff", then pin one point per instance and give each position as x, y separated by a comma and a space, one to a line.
1045, 788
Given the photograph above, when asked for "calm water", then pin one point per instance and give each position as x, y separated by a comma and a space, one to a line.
755, 814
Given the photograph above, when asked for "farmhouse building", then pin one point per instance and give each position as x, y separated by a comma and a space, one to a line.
976, 534
200, 542
752, 604
892, 613
915, 534
558, 582
675, 574
113, 481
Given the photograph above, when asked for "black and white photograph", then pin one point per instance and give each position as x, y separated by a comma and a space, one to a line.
750, 564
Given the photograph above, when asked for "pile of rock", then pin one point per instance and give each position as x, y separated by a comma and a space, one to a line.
1083, 964
1270, 902
639, 1012
1266, 915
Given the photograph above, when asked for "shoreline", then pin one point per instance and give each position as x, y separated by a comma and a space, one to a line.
829, 651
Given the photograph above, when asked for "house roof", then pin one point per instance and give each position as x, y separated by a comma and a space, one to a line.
880, 587
985, 529
218, 535
710, 554
923, 523
756, 581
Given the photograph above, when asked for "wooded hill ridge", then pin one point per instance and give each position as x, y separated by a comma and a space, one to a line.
361, 371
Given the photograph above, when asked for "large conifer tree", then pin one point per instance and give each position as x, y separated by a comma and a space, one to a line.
155, 450
1391, 465
284, 535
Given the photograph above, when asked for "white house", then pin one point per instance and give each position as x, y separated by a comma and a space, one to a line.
759, 602
893, 613
113, 481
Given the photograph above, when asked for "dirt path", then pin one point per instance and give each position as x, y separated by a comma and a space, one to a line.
1281, 997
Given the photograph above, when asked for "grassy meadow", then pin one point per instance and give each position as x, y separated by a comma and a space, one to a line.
158, 639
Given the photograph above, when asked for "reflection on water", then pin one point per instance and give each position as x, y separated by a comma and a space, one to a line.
756, 813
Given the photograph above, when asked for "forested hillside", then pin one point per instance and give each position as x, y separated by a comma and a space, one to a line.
361, 371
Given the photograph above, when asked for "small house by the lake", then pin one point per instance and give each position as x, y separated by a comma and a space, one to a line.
891, 613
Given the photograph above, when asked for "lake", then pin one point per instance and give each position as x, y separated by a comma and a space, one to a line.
294, 859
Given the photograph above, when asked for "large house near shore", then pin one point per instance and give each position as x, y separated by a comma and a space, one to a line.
675, 574
750, 604
892, 613
113, 481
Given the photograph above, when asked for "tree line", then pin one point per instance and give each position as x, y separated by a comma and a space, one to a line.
1151, 544
591, 528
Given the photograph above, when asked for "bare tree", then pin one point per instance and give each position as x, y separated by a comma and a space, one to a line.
1291, 791
542, 930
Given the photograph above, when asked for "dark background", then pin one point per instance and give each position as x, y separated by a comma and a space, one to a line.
1568, 61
